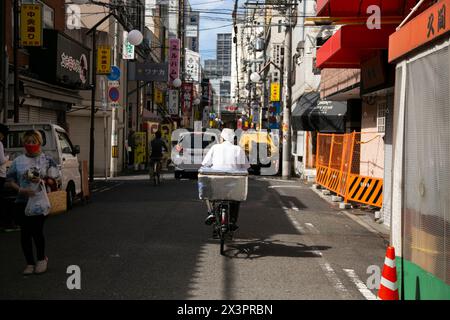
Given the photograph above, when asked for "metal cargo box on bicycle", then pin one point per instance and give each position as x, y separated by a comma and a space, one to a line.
216, 185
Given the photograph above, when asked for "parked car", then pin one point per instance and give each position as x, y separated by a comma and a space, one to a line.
57, 144
261, 150
190, 150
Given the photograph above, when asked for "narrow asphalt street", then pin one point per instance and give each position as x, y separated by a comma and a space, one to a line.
137, 241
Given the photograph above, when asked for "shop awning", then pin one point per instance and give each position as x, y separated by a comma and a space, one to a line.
351, 44
313, 114
47, 91
358, 8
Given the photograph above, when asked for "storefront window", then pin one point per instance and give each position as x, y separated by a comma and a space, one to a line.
48, 14
381, 117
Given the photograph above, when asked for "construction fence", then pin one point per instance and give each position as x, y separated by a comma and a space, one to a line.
352, 165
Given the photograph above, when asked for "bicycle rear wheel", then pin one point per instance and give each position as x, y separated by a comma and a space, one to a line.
222, 247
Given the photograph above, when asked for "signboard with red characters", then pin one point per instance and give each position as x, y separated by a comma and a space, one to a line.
186, 98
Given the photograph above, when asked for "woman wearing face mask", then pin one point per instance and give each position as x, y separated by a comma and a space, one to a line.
21, 180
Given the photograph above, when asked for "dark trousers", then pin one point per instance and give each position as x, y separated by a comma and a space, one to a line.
32, 229
6, 216
234, 211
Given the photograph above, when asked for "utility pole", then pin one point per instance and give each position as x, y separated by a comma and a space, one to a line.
16, 60
286, 127
3, 65
93, 88
114, 111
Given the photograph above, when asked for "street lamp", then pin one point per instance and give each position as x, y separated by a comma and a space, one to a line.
176, 83
135, 37
255, 77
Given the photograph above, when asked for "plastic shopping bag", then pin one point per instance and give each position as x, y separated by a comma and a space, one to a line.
38, 204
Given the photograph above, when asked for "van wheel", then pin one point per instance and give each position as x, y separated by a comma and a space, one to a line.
70, 196
177, 175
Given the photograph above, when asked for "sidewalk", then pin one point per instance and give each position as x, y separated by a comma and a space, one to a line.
363, 217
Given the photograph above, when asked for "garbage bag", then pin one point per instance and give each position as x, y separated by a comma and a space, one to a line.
39, 204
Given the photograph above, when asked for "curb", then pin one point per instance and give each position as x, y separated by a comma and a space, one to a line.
384, 234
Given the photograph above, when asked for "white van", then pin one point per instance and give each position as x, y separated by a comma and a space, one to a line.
56, 143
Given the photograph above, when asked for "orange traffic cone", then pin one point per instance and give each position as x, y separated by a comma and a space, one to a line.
388, 285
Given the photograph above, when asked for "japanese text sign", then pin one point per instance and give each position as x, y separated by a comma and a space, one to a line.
174, 59
147, 71
275, 91
159, 96
427, 26
173, 102
128, 48
103, 60
31, 25
186, 98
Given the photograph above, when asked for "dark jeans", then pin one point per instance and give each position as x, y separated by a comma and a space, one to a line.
31, 228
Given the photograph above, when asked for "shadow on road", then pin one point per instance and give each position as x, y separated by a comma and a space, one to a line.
272, 248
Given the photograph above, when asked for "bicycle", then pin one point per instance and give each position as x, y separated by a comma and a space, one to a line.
220, 190
155, 171
221, 225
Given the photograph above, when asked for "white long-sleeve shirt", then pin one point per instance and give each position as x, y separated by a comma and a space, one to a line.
227, 157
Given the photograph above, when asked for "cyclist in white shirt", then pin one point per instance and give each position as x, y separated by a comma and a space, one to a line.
226, 157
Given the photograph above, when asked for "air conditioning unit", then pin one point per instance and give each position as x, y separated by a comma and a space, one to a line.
259, 44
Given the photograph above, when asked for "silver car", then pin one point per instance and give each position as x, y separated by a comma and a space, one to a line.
189, 151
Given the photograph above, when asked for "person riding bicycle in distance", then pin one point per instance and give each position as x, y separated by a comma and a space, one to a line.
226, 156
157, 147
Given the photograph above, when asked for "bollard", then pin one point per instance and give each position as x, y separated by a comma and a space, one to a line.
344, 205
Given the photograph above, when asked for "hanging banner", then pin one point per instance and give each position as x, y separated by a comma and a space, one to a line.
192, 66
274, 91
173, 102
103, 60
128, 48
186, 98
174, 59
31, 25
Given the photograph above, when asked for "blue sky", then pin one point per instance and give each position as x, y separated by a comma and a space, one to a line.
216, 23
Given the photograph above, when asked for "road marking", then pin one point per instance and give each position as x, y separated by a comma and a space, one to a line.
311, 227
293, 206
324, 264
334, 279
360, 285
285, 186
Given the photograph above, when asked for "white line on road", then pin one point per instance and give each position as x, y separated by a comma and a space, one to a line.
334, 279
311, 227
360, 285
324, 264
293, 206
286, 186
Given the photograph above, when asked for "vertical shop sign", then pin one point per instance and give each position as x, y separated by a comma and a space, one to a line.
186, 98
174, 59
31, 25
103, 60
173, 102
